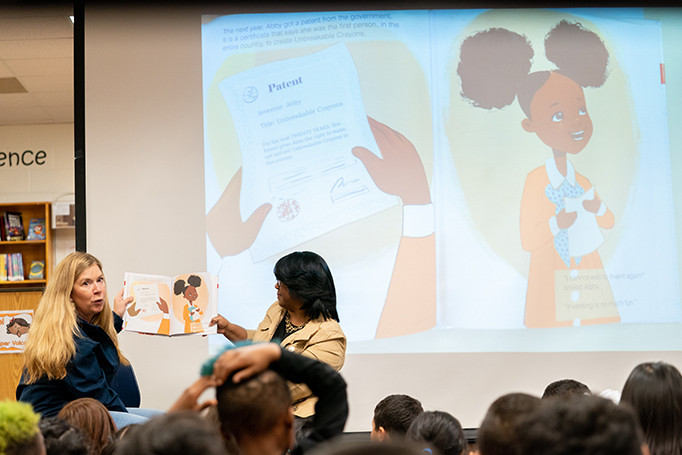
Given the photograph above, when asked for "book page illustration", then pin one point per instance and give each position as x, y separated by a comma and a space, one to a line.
584, 235
149, 312
297, 121
147, 298
192, 309
170, 305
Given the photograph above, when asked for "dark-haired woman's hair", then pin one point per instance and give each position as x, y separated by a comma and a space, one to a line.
654, 391
180, 286
308, 279
494, 64
440, 430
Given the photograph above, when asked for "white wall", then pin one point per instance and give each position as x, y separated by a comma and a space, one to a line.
144, 159
49, 182
145, 213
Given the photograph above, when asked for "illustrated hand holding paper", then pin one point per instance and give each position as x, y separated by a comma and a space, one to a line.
584, 235
146, 298
297, 121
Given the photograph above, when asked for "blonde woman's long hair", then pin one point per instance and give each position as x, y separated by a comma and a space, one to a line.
51, 345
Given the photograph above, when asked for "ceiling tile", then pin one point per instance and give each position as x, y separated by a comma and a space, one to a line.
32, 28
40, 66
24, 116
36, 47
39, 48
55, 83
18, 100
61, 98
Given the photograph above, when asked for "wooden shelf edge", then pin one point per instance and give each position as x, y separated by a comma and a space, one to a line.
22, 242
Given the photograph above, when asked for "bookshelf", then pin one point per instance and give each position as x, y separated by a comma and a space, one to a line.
31, 250
25, 294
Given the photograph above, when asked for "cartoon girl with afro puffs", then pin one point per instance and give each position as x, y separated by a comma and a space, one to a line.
494, 69
191, 313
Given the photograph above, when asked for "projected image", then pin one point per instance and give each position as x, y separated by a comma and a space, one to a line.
557, 128
560, 212
491, 170
312, 134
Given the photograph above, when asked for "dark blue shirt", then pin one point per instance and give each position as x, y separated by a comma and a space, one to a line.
88, 374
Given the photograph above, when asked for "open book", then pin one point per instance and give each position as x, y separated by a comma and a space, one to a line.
164, 305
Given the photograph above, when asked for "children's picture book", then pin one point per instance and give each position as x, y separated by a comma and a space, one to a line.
14, 226
3, 267
37, 270
14, 328
11, 267
164, 305
36, 229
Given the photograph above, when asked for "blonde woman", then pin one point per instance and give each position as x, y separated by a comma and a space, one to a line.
72, 350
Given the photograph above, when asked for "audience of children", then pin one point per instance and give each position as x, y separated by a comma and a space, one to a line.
252, 414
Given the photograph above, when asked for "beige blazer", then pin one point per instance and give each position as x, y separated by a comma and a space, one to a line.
322, 340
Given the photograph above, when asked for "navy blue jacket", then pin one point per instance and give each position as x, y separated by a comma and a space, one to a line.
88, 374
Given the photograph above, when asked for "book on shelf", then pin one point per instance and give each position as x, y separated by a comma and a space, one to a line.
14, 226
37, 270
36, 229
163, 305
11, 267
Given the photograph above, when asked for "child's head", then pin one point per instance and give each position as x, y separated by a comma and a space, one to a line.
393, 416
19, 432
584, 424
62, 438
654, 391
438, 430
566, 388
494, 69
498, 433
92, 418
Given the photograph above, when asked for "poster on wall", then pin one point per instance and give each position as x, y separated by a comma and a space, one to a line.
14, 329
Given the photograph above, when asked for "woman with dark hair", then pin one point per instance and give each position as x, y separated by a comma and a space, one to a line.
303, 319
654, 391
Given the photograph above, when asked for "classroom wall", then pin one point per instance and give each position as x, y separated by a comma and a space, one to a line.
43, 179
145, 205
144, 178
